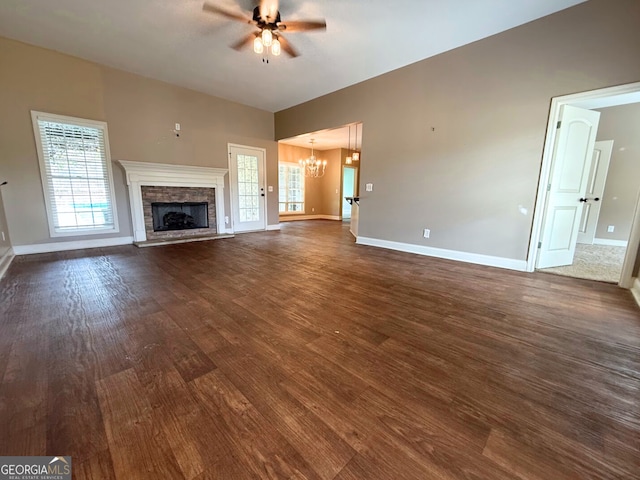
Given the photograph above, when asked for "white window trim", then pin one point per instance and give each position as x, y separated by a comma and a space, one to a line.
304, 191
35, 116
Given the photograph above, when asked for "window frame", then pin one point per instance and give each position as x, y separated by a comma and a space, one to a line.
48, 198
304, 192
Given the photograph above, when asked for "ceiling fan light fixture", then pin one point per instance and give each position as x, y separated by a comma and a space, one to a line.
269, 25
267, 37
275, 48
258, 47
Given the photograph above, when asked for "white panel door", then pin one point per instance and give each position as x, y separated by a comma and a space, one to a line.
568, 183
246, 182
595, 191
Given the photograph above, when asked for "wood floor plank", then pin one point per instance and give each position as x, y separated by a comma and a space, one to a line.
137, 444
23, 394
160, 330
97, 467
260, 382
259, 445
299, 354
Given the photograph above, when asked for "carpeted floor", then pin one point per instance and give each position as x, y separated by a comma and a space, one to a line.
594, 262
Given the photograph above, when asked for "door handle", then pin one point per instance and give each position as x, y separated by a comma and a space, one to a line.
585, 200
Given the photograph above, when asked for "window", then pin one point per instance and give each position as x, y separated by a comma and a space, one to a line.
76, 174
291, 184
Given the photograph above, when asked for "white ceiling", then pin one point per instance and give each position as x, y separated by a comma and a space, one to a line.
329, 139
179, 43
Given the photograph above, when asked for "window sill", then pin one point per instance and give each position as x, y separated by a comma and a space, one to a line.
83, 232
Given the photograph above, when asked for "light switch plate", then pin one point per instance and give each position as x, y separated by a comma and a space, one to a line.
270, 188
369, 187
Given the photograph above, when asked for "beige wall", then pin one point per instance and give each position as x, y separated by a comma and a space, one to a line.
622, 125
320, 197
140, 114
454, 143
5, 243
332, 183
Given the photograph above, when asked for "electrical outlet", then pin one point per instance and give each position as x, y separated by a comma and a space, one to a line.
426, 233
313, 209
177, 127
611, 228
226, 219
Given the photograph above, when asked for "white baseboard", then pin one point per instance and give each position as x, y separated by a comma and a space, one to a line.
273, 227
5, 261
611, 243
229, 231
77, 245
293, 218
635, 290
487, 260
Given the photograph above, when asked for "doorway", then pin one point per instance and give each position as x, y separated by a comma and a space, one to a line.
552, 231
349, 189
329, 173
247, 186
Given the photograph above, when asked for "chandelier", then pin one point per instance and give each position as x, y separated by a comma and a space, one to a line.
312, 166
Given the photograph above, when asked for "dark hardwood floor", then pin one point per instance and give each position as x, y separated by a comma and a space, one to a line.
297, 354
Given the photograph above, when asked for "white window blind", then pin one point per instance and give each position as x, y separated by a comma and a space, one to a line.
76, 174
291, 188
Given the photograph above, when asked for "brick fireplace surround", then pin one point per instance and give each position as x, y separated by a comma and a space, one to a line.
178, 194
195, 184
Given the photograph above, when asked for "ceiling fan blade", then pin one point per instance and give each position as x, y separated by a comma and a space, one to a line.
209, 7
286, 46
269, 10
244, 41
302, 25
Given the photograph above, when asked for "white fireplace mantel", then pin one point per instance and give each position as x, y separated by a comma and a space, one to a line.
139, 174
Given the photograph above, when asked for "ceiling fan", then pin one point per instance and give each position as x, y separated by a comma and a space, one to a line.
266, 18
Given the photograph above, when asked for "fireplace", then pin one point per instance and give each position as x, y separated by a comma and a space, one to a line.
178, 212
179, 215
187, 186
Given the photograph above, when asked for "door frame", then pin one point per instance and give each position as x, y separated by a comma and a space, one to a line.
579, 100
233, 189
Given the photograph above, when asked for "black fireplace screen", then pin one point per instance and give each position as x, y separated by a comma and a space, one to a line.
179, 216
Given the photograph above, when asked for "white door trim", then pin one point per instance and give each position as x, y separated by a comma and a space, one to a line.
579, 99
231, 187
